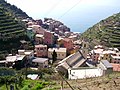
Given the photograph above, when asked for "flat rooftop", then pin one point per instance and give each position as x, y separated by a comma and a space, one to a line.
57, 49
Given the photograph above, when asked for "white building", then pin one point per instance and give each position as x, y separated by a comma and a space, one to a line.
29, 53
10, 60
84, 72
61, 53
40, 62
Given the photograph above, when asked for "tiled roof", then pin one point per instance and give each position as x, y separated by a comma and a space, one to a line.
72, 61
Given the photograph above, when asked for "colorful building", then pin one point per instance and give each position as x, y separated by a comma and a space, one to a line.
60, 42
61, 53
41, 50
48, 38
30, 33
40, 62
68, 43
39, 39
106, 55
96, 52
28, 53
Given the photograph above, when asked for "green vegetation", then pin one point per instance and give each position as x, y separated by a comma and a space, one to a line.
106, 32
52, 81
17, 79
12, 29
13, 10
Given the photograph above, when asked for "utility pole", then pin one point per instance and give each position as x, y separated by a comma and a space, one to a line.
61, 84
66, 82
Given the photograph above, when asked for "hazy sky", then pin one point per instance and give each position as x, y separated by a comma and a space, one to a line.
76, 14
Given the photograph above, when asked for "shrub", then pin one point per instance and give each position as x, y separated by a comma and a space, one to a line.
25, 88
38, 87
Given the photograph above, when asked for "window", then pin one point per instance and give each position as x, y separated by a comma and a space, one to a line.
84, 45
41, 48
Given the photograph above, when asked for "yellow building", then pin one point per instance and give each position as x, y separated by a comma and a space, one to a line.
61, 53
60, 42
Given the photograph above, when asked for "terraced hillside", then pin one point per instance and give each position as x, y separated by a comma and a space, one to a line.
106, 32
11, 32
14, 11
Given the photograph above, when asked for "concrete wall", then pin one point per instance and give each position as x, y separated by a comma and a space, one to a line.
84, 73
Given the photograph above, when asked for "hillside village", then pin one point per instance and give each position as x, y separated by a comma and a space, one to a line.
48, 50
54, 44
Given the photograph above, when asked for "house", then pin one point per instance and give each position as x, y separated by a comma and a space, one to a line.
73, 37
28, 53
106, 55
38, 22
68, 43
38, 29
60, 42
41, 50
39, 39
96, 52
72, 61
61, 53
84, 72
30, 33
29, 24
115, 58
105, 66
40, 62
48, 38
74, 49
116, 66
11, 60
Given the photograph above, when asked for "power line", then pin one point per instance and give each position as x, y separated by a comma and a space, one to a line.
70, 9
52, 8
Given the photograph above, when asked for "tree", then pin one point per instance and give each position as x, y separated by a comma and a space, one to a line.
54, 56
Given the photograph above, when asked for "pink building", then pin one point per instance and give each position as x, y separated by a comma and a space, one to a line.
68, 43
41, 50
48, 38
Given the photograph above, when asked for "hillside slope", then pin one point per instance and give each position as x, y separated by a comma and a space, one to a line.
11, 30
13, 10
106, 32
